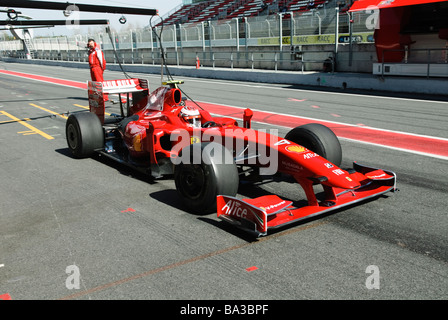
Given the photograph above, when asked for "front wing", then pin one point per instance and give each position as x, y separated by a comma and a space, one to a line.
265, 213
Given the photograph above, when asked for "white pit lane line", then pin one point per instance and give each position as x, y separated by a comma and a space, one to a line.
368, 143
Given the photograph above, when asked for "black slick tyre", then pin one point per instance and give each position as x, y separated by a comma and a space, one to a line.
84, 134
318, 138
199, 180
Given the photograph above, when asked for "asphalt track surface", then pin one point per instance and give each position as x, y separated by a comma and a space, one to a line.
128, 237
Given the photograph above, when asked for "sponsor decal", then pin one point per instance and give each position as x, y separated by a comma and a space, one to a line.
273, 206
283, 141
296, 149
137, 142
292, 166
195, 140
377, 176
94, 104
126, 83
387, 2
233, 208
310, 155
338, 172
237, 209
362, 37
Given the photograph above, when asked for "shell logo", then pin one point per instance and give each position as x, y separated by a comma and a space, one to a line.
137, 143
297, 149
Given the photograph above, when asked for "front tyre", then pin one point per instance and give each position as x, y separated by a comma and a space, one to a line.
84, 134
318, 138
199, 180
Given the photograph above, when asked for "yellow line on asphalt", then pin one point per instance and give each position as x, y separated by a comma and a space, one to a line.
49, 111
27, 132
23, 123
88, 108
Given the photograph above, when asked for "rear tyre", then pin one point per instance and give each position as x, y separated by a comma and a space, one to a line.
200, 181
318, 138
84, 134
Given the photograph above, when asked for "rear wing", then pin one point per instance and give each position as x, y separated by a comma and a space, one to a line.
97, 91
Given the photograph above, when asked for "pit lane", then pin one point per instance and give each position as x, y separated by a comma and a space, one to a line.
131, 239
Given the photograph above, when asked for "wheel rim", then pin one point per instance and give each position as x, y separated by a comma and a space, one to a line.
192, 180
72, 136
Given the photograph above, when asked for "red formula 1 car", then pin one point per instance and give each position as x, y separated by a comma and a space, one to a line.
161, 134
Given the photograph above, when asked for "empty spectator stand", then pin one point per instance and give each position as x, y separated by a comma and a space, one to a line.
247, 8
212, 10
303, 5
228, 9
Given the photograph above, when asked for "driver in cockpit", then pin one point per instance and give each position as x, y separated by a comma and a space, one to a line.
191, 116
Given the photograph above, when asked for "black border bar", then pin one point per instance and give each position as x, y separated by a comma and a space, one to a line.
82, 7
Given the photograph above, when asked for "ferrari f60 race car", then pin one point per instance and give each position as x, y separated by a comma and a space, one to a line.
163, 134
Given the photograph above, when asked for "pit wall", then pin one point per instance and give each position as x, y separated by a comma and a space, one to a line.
358, 58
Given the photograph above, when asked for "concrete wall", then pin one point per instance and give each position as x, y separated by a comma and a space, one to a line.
267, 58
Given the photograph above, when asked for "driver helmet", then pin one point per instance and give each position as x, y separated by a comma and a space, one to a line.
191, 116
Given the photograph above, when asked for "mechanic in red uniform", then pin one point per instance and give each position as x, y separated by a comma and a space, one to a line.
97, 63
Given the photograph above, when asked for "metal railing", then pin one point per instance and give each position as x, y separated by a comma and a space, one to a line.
249, 59
418, 57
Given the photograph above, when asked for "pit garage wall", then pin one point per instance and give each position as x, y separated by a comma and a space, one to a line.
413, 41
389, 37
393, 35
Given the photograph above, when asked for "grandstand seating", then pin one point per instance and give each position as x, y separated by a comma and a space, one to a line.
228, 9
